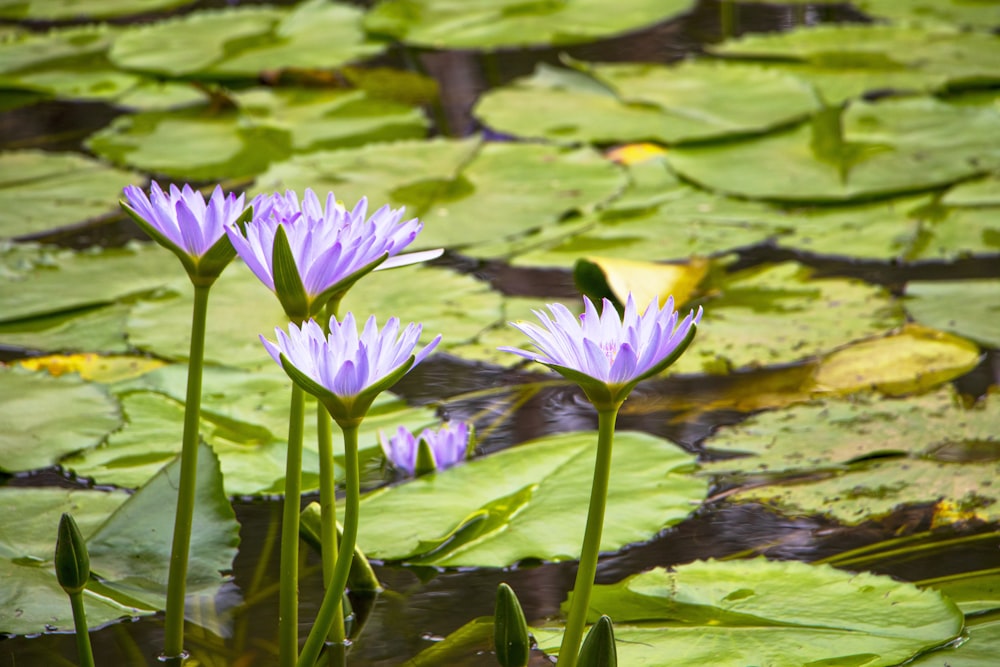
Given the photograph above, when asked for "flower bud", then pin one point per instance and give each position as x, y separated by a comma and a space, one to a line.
71, 560
598, 648
510, 630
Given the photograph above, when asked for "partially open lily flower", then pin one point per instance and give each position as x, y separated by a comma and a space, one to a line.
307, 252
605, 354
181, 220
433, 449
344, 369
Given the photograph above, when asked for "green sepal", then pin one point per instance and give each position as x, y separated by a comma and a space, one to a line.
672, 357
339, 289
510, 630
598, 649
350, 413
217, 258
350, 410
187, 260
71, 559
601, 394
361, 578
426, 463
605, 396
203, 270
287, 282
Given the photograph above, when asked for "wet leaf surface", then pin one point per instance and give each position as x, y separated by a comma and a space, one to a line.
523, 503
768, 612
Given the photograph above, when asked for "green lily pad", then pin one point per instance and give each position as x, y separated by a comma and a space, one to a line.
53, 282
873, 149
884, 231
693, 101
128, 539
980, 649
243, 41
525, 502
44, 418
41, 191
493, 24
964, 13
462, 307
981, 192
956, 232
932, 425
878, 455
129, 551
762, 612
962, 57
203, 143
100, 329
505, 189
37, 603
61, 10
245, 420
779, 314
969, 308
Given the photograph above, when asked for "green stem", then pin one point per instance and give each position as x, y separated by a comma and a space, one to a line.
188, 484
288, 596
570, 648
333, 599
328, 507
83, 650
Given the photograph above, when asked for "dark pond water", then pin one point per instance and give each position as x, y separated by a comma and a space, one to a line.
421, 605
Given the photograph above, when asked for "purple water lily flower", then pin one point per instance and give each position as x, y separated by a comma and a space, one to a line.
329, 246
181, 220
604, 353
345, 369
445, 447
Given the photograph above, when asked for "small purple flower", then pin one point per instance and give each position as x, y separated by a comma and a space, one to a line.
184, 222
605, 354
345, 369
329, 246
445, 446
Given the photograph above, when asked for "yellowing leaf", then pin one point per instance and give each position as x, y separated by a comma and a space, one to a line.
635, 153
93, 367
646, 280
912, 360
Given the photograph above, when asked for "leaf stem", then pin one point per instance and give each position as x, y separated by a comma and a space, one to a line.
333, 599
570, 648
83, 650
187, 486
288, 595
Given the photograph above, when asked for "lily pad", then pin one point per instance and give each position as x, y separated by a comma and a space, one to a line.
956, 232
962, 57
693, 101
44, 418
245, 420
779, 314
968, 308
878, 455
464, 192
128, 538
62, 10
99, 329
525, 502
494, 24
980, 649
241, 42
53, 282
874, 149
759, 612
964, 13
128, 551
41, 191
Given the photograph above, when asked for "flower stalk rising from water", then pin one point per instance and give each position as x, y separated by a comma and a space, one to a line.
345, 369
433, 449
607, 356
192, 228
